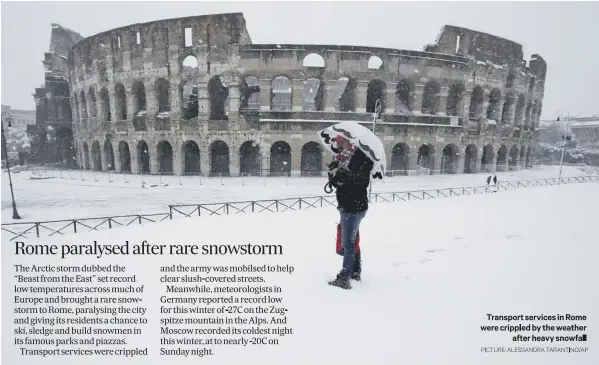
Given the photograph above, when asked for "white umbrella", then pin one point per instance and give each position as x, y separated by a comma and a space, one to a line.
361, 137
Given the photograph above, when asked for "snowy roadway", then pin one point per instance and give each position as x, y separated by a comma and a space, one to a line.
69, 197
432, 272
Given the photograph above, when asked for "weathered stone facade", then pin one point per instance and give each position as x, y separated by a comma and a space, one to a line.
195, 96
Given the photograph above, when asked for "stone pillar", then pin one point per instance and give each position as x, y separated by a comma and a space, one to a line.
205, 167
461, 160
203, 101
178, 157
479, 158
265, 98
234, 100
103, 157
499, 113
133, 153
153, 152
331, 97
296, 158
130, 104
443, 102
234, 167
486, 97
151, 101
390, 96
117, 156
362, 93
297, 95
512, 114
418, 93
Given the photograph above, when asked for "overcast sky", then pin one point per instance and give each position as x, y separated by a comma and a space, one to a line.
564, 34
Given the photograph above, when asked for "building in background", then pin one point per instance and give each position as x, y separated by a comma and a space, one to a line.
586, 131
52, 134
583, 130
20, 118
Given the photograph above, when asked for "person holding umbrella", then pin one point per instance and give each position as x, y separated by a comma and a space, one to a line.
349, 174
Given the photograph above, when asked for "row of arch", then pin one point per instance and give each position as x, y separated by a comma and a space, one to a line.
498, 107
251, 160
450, 158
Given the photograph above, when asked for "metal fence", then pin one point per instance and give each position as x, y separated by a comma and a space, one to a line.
64, 226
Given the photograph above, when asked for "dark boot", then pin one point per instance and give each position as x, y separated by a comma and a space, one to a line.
341, 282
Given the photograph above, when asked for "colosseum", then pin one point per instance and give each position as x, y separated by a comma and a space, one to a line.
194, 95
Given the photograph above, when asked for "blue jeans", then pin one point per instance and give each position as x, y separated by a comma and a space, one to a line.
350, 224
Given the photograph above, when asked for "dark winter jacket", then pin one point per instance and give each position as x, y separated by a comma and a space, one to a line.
352, 183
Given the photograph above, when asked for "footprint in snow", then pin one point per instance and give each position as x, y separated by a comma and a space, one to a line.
423, 261
398, 264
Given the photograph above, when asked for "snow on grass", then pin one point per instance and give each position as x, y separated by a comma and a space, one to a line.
432, 271
69, 197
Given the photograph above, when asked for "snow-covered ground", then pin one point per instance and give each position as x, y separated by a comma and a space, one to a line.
102, 194
432, 271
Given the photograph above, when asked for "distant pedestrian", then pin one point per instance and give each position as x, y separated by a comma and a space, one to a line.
489, 180
494, 179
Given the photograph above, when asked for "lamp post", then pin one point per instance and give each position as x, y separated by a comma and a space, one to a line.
564, 139
15, 214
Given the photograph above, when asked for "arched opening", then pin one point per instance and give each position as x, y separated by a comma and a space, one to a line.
109, 155
522, 156
454, 98
450, 159
404, 97
83, 105
501, 164
476, 103
97, 156
347, 92
280, 159
487, 159
105, 104
311, 159
375, 63
426, 157
430, 98
165, 157
191, 158
189, 99
139, 98
493, 108
400, 159
531, 85
506, 113
250, 93
218, 94
513, 157
162, 90
376, 91
313, 97
219, 158
86, 163
120, 100
190, 64
250, 161
313, 60
124, 156
520, 105
471, 156
93, 106
281, 94
143, 157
